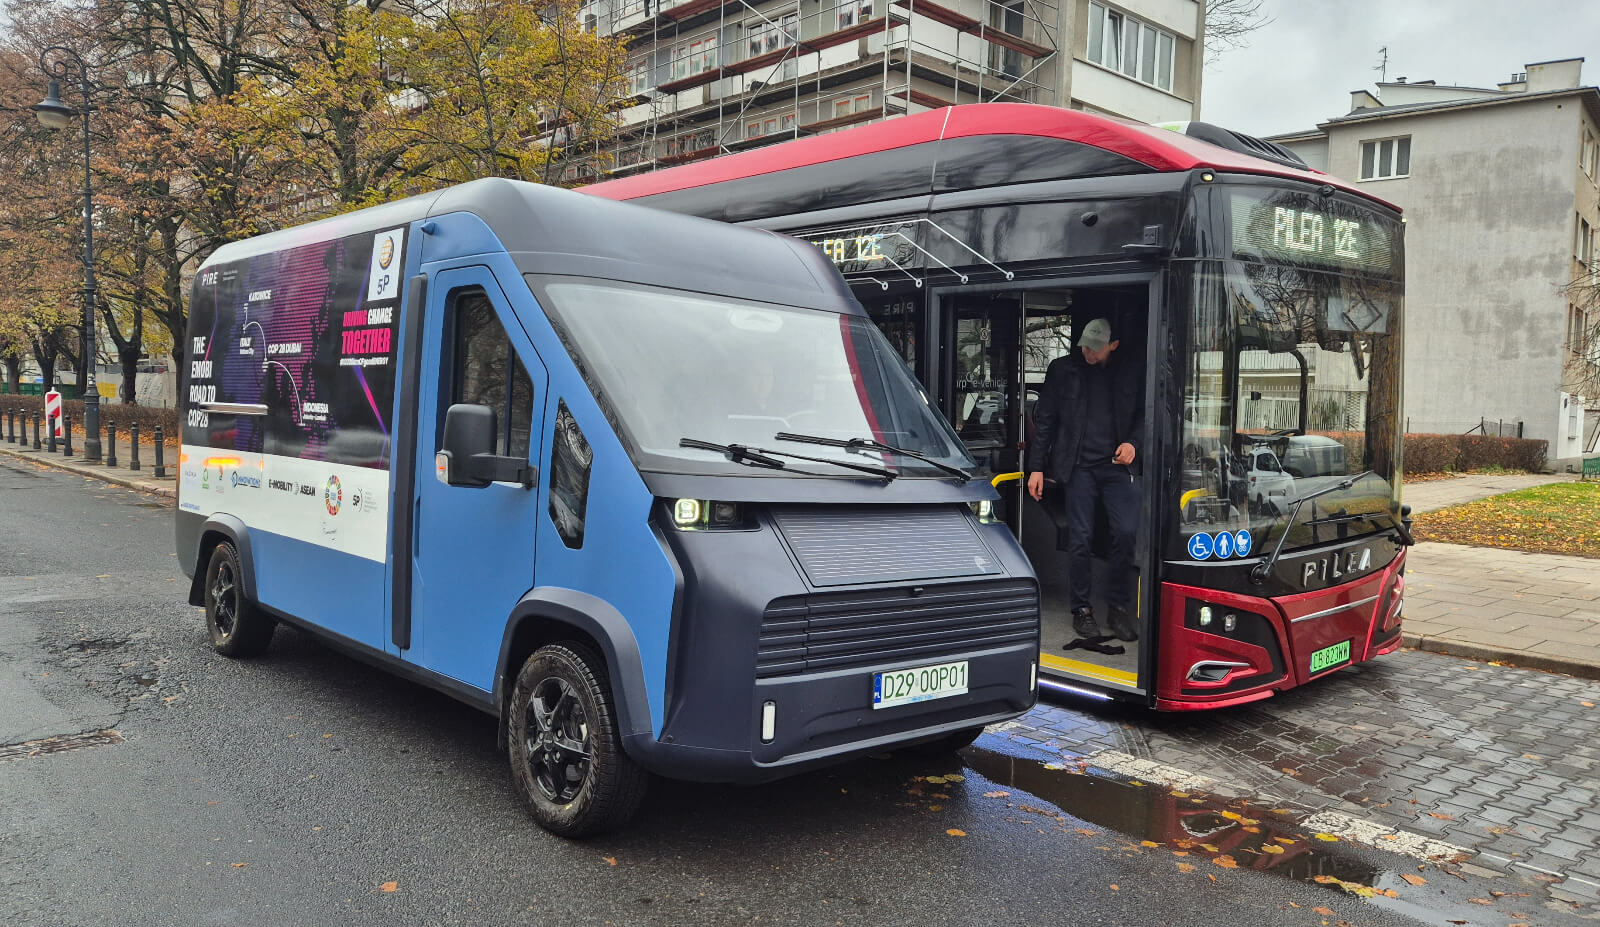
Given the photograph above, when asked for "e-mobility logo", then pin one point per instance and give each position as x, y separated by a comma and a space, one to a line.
333, 495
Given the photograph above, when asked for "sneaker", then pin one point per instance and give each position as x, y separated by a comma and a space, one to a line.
1083, 622
1122, 624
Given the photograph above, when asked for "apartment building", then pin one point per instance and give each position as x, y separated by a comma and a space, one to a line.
708, 77
1501, 191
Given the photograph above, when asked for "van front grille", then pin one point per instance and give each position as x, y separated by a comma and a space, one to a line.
839, 630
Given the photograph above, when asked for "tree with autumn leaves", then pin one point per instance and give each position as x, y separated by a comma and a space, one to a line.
218, 119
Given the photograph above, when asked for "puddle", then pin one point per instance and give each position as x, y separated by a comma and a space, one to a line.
96, 644
1210, 832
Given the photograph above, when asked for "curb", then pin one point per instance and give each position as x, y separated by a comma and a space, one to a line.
1537, 661
93, 472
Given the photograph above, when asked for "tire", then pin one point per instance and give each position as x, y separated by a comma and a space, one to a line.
949, 743
236, 626
566, 757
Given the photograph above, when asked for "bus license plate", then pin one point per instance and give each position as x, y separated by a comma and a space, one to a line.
1329, 657
919, 684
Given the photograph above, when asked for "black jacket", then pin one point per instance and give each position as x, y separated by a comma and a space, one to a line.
1058, 416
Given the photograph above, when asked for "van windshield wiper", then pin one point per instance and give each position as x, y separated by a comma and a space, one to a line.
761, 457
1258, 573
867, 444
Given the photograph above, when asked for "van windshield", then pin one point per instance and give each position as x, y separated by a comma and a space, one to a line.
668, 364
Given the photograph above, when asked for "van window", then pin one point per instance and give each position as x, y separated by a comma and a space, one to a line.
488, 373
569, 477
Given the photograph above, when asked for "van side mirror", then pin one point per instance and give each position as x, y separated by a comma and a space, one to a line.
468, 457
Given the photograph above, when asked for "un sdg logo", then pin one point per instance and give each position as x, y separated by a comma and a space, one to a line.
333, 495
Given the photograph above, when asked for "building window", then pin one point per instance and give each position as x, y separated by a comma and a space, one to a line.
854, 12
1384, 158
639, 76
1136, 49
1583, 242
1589, 156
1577, 330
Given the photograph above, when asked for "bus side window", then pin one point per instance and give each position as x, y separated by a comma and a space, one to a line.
488, 373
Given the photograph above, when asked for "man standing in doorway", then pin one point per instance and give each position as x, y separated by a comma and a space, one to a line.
1088, 425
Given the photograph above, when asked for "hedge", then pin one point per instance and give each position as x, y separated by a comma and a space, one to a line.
1451, 453
123, 415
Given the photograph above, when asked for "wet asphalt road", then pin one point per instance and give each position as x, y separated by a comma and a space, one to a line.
291, 789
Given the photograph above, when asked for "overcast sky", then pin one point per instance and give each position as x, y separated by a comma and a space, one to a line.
1299, 70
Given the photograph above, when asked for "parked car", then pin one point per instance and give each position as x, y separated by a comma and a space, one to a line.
1270, 488
1314, 455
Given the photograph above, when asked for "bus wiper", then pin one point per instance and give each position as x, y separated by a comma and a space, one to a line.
1258, 573
867, 444
762, 457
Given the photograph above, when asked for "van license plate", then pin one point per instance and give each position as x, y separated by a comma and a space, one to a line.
1329, 657
920, 684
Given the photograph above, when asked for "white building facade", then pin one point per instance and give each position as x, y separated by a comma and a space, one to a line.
1501, 193
708, 77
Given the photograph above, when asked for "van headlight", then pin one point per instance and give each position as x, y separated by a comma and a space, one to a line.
692, 514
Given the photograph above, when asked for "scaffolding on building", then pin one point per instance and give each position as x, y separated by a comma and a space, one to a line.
710, 77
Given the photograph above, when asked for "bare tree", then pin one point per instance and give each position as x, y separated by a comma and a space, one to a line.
1229, 24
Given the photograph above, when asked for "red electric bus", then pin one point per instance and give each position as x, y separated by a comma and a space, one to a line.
1263, 299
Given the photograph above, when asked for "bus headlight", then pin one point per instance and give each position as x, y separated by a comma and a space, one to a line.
984, 509
686, 512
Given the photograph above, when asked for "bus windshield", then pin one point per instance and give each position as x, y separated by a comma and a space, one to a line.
668, 365
1292, 385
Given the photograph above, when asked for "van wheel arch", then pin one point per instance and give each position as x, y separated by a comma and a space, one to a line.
549, 616
217, 529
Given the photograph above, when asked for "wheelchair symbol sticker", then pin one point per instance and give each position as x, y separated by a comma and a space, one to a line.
1224, 545
1241, 543
1200, 546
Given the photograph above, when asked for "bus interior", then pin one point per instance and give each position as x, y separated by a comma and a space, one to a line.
997, 346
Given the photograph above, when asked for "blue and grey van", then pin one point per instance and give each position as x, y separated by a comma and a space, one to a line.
650, 489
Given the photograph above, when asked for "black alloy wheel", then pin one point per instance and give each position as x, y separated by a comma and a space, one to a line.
236, 626
557, 740
565, 751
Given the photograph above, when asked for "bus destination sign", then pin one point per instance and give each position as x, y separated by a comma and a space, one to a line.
869, 248
1288, 228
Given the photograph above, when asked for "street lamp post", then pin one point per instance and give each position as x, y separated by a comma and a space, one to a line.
55, 114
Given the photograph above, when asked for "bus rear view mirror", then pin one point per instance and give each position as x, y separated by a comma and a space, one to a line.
468, 457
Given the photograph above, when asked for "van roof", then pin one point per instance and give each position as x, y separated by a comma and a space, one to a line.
549, 230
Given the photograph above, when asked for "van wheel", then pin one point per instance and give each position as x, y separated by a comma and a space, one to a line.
237, 627
949, 743
566, 757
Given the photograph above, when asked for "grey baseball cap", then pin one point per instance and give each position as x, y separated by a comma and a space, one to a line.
1096, 335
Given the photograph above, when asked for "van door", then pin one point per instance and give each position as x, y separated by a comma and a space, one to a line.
472, 549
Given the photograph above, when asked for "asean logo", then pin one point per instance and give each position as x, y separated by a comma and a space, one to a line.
386, 252
332, 495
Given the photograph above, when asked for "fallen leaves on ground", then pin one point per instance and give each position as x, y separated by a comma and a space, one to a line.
1556, 519
1226, 862
1442, 817
1480, 901
1323, 910
956, 832
996, 794
1327, 838
1272, 849
1186, 867
389, 887
1413, 879
610, 860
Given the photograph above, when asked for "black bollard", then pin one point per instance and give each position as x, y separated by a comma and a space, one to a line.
50, 433
66, 431
11, 420
37, 444
161, 448
111, 443
133, 451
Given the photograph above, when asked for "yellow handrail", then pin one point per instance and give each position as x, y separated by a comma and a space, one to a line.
1004, 478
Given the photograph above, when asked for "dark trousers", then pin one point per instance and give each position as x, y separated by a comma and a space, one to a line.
1118, 491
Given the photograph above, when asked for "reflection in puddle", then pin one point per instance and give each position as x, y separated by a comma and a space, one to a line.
1203, 826
1206, 829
